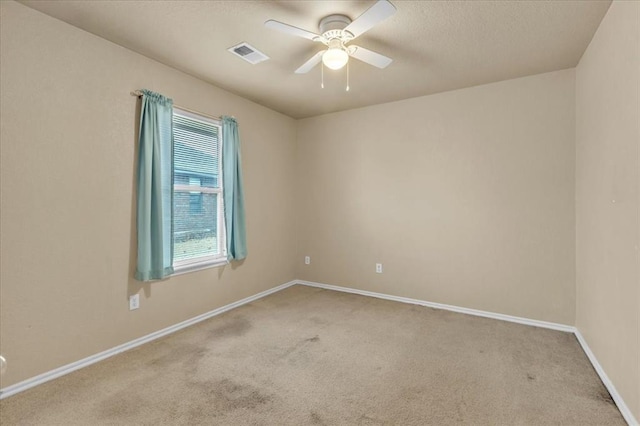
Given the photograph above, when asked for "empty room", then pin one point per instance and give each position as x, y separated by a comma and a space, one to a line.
371, 212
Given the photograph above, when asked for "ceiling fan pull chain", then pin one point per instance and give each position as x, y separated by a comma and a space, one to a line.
322, 77
347, 76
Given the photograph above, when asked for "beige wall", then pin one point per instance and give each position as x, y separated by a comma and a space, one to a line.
607, 198
466, 197
67, 164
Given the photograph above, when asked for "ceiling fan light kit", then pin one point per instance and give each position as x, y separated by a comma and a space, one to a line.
335, 32
336, 56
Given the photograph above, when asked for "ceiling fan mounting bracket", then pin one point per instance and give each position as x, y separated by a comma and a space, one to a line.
333, 22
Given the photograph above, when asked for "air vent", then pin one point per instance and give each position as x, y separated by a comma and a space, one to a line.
248, 53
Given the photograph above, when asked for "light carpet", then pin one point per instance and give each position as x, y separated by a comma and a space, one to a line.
311, 356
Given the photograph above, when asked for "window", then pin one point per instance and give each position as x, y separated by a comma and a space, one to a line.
198, 227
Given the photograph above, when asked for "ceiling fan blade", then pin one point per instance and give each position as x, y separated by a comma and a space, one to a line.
307, 66
369, 56
380, 11
290, 29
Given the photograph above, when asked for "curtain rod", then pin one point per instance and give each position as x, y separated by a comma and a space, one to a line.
138, 93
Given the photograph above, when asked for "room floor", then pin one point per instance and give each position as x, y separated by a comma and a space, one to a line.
311, 356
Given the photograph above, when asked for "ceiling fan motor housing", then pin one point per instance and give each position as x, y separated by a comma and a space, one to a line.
332, 26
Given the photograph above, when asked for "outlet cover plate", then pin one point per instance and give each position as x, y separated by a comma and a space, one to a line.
134, 302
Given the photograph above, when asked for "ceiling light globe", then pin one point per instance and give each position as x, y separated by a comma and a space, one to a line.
335, 58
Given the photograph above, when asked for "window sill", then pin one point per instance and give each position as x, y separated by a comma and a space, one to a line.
198, 266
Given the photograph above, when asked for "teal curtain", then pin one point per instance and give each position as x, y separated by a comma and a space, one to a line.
233, 194
155, 192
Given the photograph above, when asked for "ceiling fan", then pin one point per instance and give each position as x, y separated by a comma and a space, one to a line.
336, 31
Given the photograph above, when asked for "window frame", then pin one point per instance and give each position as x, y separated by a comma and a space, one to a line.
206, 261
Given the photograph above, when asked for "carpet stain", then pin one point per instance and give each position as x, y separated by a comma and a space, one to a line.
604, 396
318, 321
461, 407
316, 419
530, 377
215, 400
299, 345
227, 395
412, 393
367, 420
232, 327
191, 362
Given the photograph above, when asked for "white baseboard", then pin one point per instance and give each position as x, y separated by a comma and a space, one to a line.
66, 369
624, 410
468, 311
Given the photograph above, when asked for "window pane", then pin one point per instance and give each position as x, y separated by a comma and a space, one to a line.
195, 203
195, 228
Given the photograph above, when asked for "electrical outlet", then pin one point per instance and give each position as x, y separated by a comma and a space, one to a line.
3, 364
307, 260
134, 302
379, 268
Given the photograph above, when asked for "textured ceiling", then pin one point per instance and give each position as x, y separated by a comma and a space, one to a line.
436, 45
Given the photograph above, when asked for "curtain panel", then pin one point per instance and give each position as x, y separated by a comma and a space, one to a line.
155, 191
233, 193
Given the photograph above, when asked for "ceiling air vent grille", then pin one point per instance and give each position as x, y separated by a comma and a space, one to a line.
248, 53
